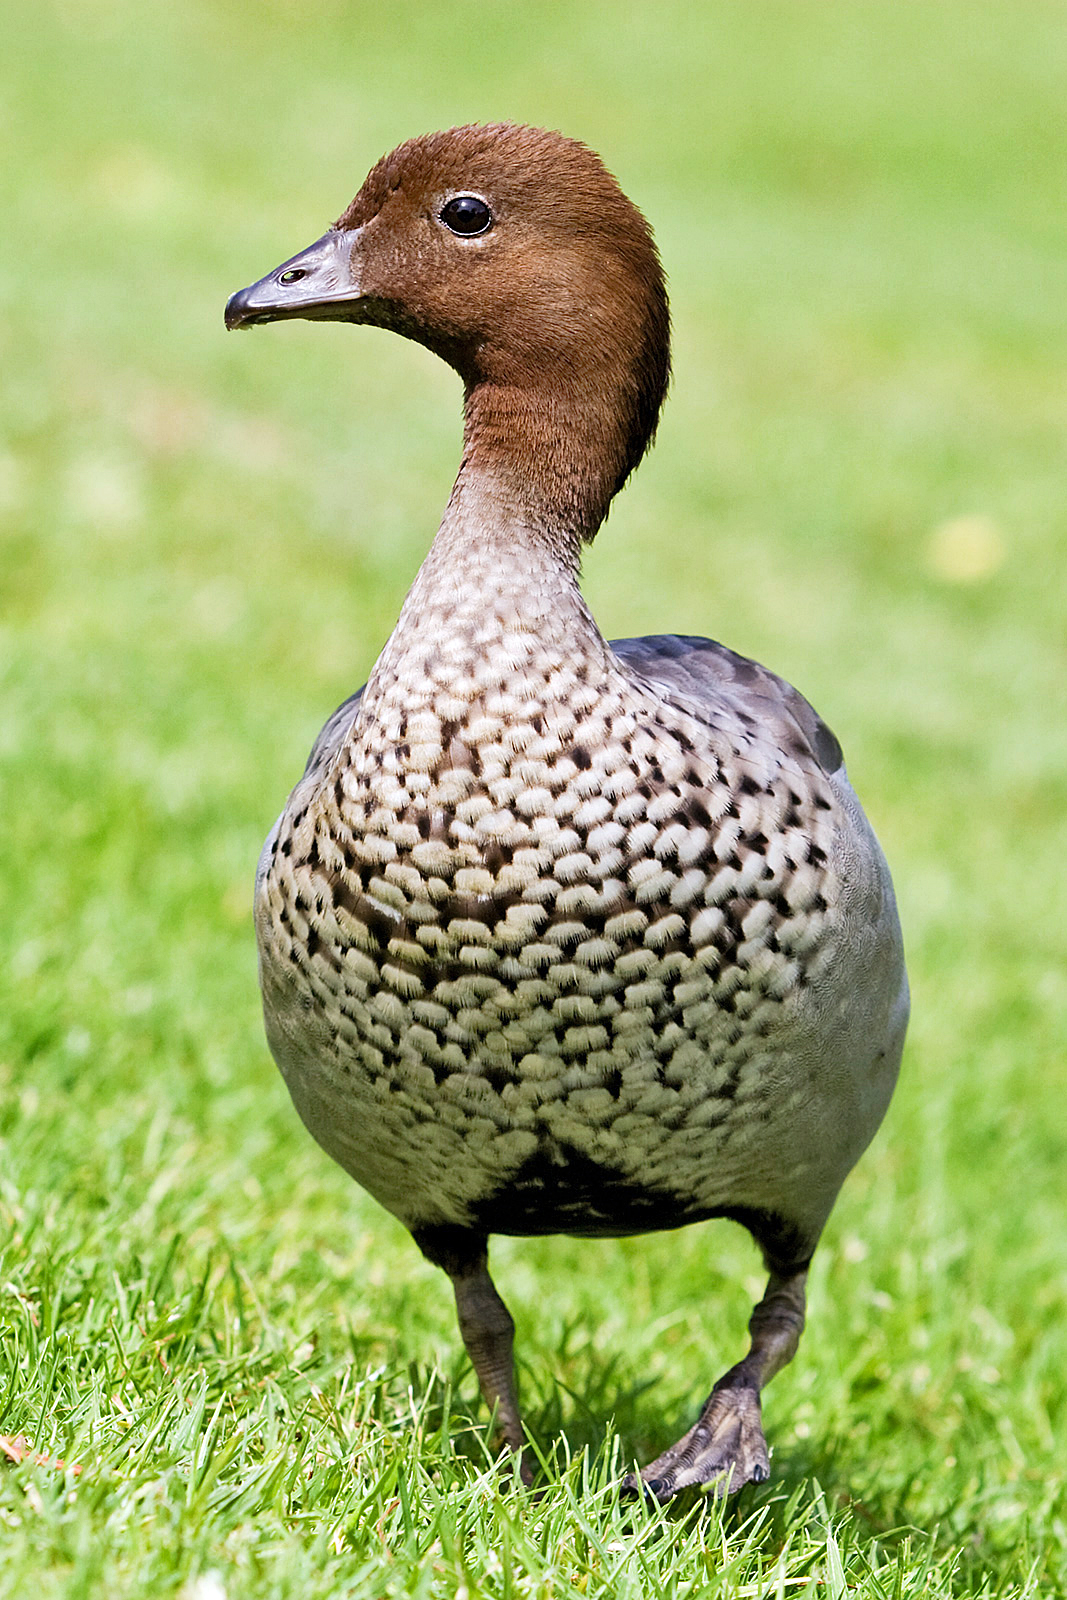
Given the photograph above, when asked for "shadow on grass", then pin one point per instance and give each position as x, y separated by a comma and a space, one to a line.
613, 1422
812, 1484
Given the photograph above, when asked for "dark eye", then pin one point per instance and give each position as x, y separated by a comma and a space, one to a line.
467, 215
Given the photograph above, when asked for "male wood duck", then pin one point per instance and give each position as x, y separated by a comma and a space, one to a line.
559, 935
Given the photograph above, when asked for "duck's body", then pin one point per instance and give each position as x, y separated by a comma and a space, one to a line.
559, 936
545, 929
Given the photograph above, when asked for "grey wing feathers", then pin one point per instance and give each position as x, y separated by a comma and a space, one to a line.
332, 735
331, 738
705, 675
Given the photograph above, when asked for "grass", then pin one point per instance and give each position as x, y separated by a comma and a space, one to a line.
253, 1381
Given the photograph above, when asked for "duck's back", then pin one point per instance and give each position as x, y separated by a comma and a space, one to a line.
614, 956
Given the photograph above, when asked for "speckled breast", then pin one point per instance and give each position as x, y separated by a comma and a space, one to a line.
539, 965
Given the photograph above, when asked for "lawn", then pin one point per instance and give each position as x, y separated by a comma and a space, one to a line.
252, 1380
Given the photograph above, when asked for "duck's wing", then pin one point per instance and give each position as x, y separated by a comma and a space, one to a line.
330, 739
332, 735
706, 679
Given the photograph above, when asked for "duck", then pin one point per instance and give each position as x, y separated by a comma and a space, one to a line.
557, 935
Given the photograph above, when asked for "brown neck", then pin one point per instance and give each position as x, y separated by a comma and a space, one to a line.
557, 459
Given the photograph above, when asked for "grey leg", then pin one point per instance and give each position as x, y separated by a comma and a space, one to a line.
487, 1328
726, 1443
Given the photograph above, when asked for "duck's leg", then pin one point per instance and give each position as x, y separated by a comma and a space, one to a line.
726, 1444
486, 1325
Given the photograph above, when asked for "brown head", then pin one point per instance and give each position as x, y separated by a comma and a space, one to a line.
512, 253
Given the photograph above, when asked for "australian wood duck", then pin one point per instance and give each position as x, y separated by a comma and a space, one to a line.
557, 935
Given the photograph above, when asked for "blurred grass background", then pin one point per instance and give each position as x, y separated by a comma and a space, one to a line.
204, 541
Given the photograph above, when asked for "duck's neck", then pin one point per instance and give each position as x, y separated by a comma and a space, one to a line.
494, 569
556, 453
497, 596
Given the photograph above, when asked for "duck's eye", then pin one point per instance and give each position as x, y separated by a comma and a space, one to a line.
467, 215
294, 275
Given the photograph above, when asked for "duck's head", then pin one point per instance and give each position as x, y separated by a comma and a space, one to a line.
512, 253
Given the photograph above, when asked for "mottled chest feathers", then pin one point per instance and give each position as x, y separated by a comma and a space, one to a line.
519, 879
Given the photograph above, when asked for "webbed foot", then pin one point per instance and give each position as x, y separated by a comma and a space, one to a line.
725, 1447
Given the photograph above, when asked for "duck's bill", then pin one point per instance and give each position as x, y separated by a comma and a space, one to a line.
319, 283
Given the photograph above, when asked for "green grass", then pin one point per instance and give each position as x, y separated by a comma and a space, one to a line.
861, 479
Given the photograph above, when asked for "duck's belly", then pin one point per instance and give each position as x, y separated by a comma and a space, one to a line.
570, 1116
602, 1055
